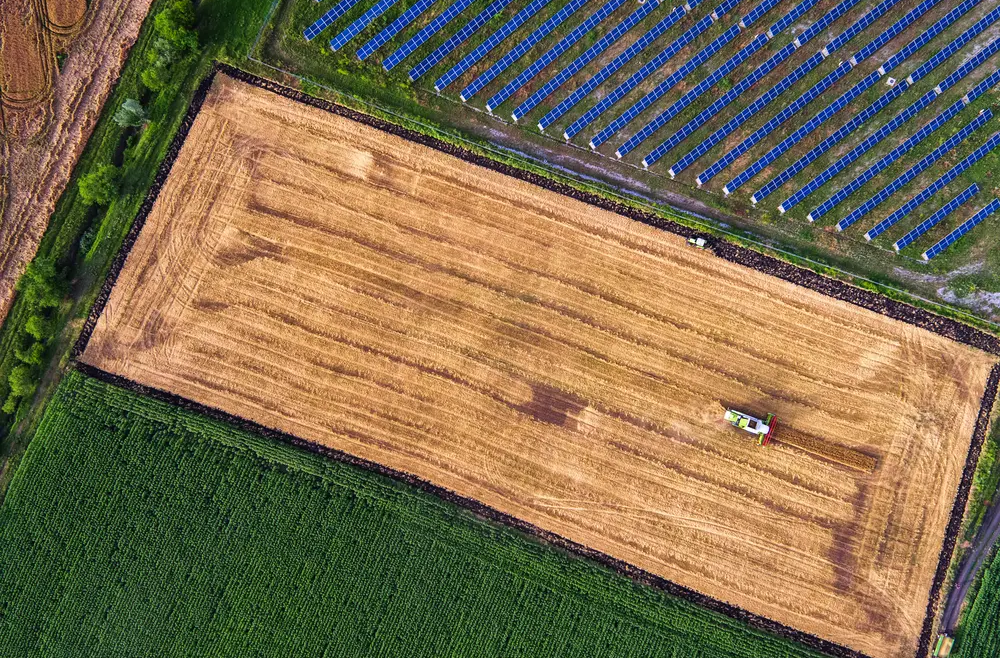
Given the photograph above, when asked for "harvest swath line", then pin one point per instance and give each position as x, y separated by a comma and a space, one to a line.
838, 290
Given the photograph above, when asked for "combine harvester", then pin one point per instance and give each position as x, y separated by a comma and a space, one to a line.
764, 431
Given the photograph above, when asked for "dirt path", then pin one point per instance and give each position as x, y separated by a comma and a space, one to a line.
42, 144
985, 539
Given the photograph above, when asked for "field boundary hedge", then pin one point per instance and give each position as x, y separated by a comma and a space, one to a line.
873, 301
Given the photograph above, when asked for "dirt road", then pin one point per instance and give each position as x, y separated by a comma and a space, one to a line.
986, 538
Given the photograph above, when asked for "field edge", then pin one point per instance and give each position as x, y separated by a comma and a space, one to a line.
739, 254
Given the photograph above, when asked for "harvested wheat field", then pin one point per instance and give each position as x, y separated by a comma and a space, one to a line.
555, 361
26, 59
41, 143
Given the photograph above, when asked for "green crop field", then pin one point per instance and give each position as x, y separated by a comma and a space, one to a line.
135, 528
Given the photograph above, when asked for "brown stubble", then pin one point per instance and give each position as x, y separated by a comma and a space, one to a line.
555, 361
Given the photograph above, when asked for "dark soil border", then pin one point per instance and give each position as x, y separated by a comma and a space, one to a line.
873, 301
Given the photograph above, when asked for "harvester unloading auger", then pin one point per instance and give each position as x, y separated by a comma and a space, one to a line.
766, 430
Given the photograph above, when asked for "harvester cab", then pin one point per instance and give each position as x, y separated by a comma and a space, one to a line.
762, 429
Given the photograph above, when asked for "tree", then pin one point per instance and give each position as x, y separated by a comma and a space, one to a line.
131, 114
22, 381
41, 285
32, 355
100, 186
175, 24
37, 327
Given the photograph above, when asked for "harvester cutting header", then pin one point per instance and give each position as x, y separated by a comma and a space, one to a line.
764, 431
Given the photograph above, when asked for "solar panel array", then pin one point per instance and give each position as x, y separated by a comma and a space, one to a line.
858, 120
897, 152
636, 78
824, 22
425, 33
790, 18
553, 53
760, 103
717, 106
894, 30
588, 56
457, 39
799, 133
731, 95
659, 90
925, 37
724, 8
928, 192
977, 28
838, 136
490, 43
393, 28
691, 96
327, 19
610, 69
755, 14
936, 218
355, 28
960, 232
991, 49
784, 115
862, 24
561, 77
886, 192
894, 124
521, 49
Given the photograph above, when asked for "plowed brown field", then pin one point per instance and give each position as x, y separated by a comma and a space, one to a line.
557, 362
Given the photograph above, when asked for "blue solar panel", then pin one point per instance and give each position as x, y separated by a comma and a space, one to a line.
839, 135
895, 123
935, 219
757, 12
394, 28
826, 21
521, 49
790, 18
886, 192
893, 31
953, 47
756, 106
490, 43
355, 28
928, 192
925, 37
725, 7
328, 18
809, 126
588, 56
713, 110
677, 107
991, 81
659, 90
593, 83
470, 28
636, 78
553, 53
893, 155
960, 232
784, 115
991, 49
862, 24
425, 33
